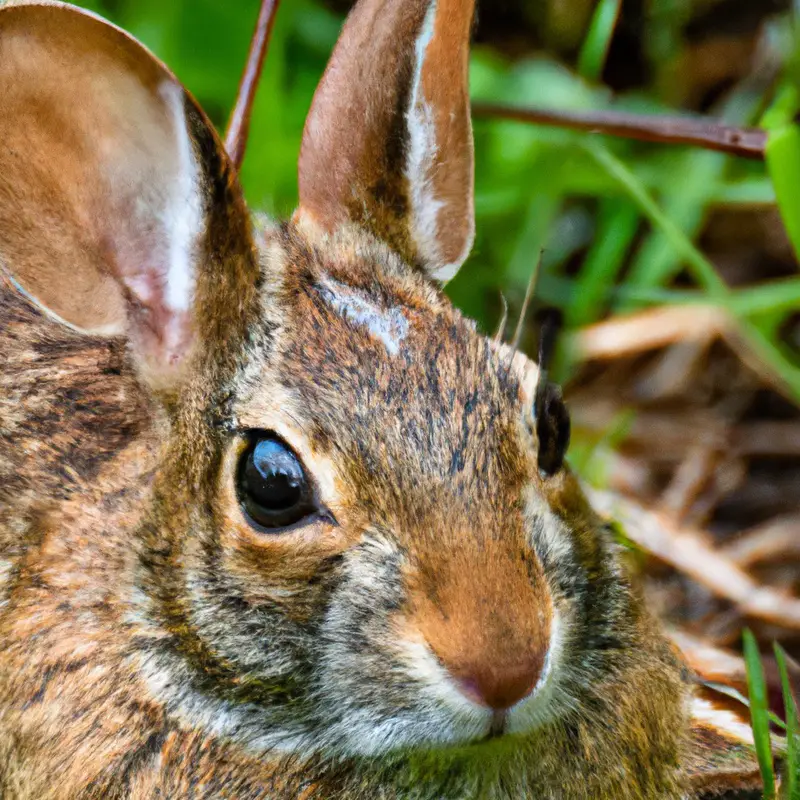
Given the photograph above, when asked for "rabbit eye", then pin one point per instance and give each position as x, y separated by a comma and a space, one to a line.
552, 430
273, 488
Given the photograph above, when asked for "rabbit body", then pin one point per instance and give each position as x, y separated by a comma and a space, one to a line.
450, 620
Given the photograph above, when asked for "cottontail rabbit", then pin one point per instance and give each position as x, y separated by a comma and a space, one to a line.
276, 521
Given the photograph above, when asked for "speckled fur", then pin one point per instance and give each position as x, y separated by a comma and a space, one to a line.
155, 644
135, 623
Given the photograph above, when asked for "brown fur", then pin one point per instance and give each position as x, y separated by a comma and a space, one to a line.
155, 643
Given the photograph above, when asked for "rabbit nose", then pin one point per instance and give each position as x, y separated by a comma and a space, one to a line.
486, 615
498, 686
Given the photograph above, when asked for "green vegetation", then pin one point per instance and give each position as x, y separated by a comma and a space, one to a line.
791, 788
762, 720
757, 689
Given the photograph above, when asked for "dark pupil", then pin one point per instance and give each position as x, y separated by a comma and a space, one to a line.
273, 476
273, 487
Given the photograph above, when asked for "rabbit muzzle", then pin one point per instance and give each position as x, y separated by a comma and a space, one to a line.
438, 648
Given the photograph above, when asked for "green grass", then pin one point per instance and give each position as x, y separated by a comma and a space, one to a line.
762, 720
759, 716
791, 788
595, 47
783, 161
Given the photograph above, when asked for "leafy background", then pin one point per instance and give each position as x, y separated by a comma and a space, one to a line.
535, 187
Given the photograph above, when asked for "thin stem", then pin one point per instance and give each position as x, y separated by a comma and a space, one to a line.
239, 122
706, 133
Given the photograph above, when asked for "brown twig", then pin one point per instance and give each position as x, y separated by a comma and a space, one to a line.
659, 327
706, 133
239, 122
713, 663
688, 551
651, 329
778, 539
689, 479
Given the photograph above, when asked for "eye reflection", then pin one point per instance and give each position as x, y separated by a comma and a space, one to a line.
272, 484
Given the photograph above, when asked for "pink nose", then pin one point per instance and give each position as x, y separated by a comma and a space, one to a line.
498, 686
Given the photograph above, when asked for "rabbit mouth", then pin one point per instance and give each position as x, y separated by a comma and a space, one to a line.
498, 725
467, 718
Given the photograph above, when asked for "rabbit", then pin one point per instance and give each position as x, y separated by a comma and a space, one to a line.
276, 520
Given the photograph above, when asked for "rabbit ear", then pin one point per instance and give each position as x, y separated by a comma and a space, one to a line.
114, 189
721, 753
388, 141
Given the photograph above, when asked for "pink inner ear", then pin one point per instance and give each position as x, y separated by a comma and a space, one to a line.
405, 170
102, 208
157, 257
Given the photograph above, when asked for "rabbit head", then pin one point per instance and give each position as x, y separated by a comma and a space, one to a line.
354, 544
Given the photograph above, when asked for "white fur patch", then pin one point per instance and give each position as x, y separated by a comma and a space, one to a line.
423, 666
387, 325
422, 153
442, 715
6, 570
183, 216
446, 272
539, 705
469, 720
549, 529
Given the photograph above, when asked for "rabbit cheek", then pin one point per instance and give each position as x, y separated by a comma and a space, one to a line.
283, 573
369, 701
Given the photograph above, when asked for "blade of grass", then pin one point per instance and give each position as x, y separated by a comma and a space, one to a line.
685, 196
617, 225
751, 191
775, 296
783, 163
757, 689
790, 786
684, 200
702, 269
594, 51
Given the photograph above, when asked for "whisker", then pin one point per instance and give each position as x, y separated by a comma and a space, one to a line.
501, 328
526, 302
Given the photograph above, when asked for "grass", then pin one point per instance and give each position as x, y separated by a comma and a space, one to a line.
791, 788
761, 721
783, 161
759, 713
598, 39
